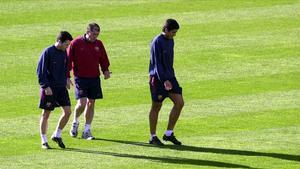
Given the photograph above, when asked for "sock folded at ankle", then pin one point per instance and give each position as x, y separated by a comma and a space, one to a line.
44, 138
152, 135
87, 127
57, 133
168, 132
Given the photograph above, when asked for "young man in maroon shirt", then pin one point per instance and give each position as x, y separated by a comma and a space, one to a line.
85, 54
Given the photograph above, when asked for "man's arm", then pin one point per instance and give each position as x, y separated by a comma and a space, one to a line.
104, 62
160, 64
42, 70
70, 59
69, 81
157, 54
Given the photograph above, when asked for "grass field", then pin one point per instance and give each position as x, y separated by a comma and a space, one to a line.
237, 61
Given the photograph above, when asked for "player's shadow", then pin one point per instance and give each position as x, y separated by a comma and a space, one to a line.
210, 150
166, 159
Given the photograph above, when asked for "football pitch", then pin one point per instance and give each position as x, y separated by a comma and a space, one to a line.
237, 61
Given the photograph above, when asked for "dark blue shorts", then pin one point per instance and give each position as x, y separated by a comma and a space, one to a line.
88, 87
157, 88
59, 97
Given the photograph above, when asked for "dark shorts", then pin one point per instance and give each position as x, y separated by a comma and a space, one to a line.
157, 88
60, 97
88, 87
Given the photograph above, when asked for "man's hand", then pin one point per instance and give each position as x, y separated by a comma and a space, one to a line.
48, 91
69, 83
168, 85
107, 74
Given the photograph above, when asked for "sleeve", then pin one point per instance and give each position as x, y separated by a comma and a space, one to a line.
70, 58
103, 60
43, 70
158, 59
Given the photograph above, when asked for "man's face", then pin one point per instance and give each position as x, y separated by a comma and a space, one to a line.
92, 35
65, 44
171, 34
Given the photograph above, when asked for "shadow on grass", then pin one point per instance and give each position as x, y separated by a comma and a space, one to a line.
210, 150
172, 160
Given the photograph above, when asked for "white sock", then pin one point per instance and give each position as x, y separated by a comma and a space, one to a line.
44, 138
57, 133
76, 120
152, 135
168, 132
87, 127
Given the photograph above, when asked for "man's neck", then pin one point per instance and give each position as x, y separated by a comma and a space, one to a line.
87, 37
57, 46
165, 35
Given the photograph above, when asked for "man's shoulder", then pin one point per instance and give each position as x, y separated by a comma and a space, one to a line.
48, 49
158, 38
77, 42
98, 41
78, 39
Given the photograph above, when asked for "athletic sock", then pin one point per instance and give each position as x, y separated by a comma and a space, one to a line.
76, 120
87, 127
44, 138
168, 132
57, 133
152, 135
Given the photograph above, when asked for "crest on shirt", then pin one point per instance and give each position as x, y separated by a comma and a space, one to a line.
97, 48
159, 97
80, 92
48, 104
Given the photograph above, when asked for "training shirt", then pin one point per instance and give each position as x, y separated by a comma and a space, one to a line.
161, 58
85, 57
52, 68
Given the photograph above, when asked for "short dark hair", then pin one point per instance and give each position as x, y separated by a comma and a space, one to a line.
93, 26
63, 36
170, 24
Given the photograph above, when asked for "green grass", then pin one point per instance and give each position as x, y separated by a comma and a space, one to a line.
237, 61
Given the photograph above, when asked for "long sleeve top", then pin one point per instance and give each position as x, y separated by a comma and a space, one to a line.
161, 58
52, 68
85, 57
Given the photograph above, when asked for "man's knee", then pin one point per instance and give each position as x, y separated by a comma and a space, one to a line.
179, 104
81, 103
67, 114
67, 111
45, 114
156, 106
90, 102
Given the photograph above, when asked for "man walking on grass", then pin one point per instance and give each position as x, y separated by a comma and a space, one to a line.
86, 53
52, 77
163, 82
